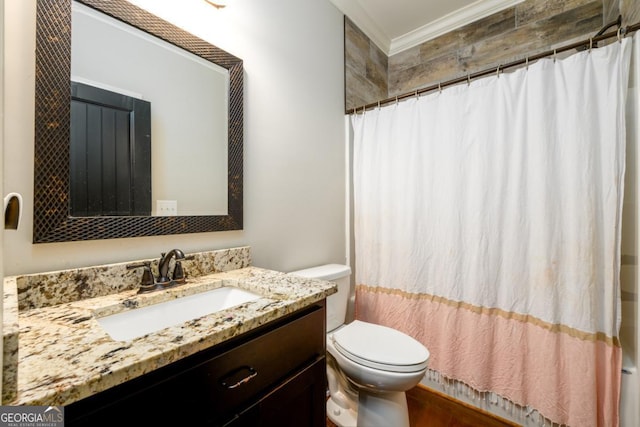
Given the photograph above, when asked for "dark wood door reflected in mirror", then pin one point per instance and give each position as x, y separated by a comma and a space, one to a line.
53, 221
110, 159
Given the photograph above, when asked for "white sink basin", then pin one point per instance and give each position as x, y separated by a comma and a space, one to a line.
141, 321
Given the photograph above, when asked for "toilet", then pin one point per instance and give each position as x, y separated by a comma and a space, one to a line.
369, 366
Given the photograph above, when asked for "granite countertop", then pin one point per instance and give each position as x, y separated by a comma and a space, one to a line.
64, 355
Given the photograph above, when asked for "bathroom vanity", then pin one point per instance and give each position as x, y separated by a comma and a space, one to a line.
270, 376
258, 363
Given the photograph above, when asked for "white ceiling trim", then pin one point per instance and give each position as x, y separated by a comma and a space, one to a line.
361, 18
459, 18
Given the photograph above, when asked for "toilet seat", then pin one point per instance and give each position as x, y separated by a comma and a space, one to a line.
380, 347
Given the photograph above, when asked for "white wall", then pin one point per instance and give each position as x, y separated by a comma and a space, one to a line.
294, 142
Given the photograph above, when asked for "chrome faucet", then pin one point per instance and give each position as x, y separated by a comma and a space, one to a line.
163, 267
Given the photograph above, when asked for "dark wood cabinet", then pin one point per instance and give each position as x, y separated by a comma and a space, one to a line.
272, 376
298, 402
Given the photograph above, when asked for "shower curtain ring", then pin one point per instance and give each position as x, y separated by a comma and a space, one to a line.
555, 54
440, 87
468, 79
378, 105
498, 71
620, 33
590, 44
526, 62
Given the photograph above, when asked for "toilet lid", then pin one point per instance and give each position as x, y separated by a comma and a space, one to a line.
380, 347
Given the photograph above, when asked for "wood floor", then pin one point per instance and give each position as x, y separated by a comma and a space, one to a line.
428, 408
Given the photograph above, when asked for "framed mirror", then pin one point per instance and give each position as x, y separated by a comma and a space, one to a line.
53, 221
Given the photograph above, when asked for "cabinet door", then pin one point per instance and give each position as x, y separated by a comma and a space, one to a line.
299, 401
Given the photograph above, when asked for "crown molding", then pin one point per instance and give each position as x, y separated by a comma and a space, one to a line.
452, 21
361, 18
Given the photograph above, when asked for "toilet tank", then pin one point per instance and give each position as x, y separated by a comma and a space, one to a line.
336, 303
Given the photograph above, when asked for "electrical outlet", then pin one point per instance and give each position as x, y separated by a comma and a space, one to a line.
166, 207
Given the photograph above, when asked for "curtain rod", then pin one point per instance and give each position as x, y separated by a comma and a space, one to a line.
588, 43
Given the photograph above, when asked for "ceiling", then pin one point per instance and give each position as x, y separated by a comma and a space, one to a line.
398, 25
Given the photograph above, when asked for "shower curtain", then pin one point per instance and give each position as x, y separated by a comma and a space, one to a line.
487, 226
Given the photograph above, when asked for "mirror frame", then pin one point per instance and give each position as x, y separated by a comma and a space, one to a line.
51, 219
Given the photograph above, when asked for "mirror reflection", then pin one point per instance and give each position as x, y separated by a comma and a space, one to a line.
54, 220
186, 144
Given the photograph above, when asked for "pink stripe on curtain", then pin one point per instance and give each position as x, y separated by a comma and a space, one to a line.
569, 377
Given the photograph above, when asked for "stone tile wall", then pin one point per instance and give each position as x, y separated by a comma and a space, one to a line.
530, 27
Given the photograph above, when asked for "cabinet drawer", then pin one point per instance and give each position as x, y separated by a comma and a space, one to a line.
298, 402
243, 373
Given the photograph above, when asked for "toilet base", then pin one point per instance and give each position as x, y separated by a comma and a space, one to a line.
374, 410
383, 409
340, 416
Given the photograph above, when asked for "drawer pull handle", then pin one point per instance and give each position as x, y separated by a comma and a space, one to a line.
252, 374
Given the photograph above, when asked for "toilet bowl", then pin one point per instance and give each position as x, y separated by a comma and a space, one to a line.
369, 366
